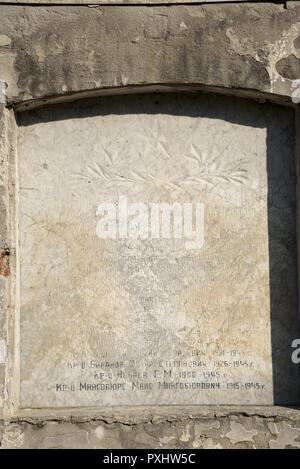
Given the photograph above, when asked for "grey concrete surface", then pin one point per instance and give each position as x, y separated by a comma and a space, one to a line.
60, 53
50, 52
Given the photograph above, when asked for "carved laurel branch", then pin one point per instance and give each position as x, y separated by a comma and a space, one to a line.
209, 171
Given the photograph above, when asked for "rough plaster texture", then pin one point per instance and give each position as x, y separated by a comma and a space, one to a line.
112, 2
51, 52
239, 429
64, 52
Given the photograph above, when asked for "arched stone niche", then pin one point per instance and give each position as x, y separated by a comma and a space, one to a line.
142, 316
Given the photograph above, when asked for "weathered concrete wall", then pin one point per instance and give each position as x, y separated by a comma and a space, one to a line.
53, 51
207, 429
57, 53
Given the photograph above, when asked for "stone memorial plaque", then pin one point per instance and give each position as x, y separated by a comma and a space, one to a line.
157, 252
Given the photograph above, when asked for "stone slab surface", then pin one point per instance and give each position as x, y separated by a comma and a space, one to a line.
55, 51
147, 321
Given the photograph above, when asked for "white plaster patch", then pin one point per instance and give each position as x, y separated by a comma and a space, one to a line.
99, 432
2, 92
209, 444
239, 433
13, 437
166, 440
186, 435
287, 436
4, 40
273, 428
2, 351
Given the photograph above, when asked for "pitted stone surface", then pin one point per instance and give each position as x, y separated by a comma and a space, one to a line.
239, 433
53, 51
287, 436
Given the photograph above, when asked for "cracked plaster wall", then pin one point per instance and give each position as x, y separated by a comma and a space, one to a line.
236, 430
52, 53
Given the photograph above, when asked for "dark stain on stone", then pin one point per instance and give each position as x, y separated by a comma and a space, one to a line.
297, 42
26, 63
289, 67
4, 262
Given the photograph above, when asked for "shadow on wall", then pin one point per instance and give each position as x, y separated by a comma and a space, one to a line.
279, 123
281, 170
